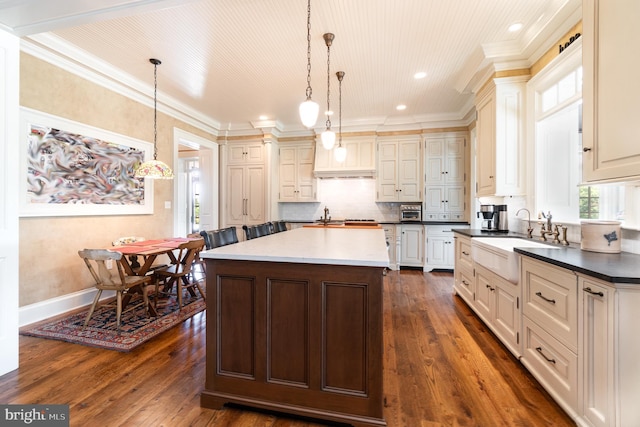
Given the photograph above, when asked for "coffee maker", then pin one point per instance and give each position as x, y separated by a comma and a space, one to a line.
489, 218
501, 218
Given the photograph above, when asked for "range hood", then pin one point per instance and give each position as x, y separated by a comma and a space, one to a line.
360, 161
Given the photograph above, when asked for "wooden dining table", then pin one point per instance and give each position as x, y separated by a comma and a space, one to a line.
148, 250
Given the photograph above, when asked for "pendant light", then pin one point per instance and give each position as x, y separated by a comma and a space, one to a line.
328, 136
309, 109
340, 152
154, 169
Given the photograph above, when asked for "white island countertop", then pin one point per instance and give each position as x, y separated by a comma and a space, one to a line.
335, 246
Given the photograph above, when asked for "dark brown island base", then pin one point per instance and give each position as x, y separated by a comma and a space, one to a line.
294, 324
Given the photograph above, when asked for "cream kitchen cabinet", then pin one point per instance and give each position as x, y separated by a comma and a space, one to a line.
440, 252
610, 91
500, 134
297, 182
463, 272
609, 352
245, 184
241, 154
550, 329
444, 189
412, 245
497, 303
399, 170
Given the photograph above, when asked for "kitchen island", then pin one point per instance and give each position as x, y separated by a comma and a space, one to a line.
294, 324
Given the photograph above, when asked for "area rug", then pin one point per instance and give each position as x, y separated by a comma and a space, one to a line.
136, 327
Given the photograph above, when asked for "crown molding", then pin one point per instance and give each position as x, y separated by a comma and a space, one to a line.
55, 51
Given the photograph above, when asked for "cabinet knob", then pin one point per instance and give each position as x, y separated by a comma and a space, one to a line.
586, 149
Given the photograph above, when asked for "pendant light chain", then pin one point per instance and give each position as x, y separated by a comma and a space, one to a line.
155, 110
340, 75
328, 40
308, 92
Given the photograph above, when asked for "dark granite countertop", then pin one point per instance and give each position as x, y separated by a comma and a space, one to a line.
616, 268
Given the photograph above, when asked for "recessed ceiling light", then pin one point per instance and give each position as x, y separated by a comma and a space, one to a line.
401, 107
263, 117
420, 75
515, 27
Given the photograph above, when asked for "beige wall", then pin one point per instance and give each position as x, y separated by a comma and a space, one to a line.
49, 263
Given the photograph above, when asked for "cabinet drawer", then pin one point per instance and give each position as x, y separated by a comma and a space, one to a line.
550, 299
552, 363
463, 255
465, 286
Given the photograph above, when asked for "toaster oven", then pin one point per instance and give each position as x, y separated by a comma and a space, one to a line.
411, 212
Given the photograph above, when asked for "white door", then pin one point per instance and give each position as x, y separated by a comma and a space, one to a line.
9, 242
208, 164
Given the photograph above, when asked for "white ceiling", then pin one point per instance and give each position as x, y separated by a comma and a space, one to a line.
231, 61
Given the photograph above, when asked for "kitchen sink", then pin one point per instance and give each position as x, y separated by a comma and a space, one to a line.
496, 254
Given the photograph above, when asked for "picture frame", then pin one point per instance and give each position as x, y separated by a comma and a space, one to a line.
72, 169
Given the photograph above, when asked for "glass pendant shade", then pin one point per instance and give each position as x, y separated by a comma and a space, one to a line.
154, 169
309, 113
340, 153
328, 139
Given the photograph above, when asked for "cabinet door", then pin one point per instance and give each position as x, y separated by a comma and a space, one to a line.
288, 168
255, 194
438, 252
454, 161
412, 245
454, 199
597, 353
486, 133
409, 171
483, 303
434, 200
387, 171
506, 316
610, 96
304, 175
236, 198
435, 161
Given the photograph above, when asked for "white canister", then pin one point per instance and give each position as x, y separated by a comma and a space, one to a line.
600, 236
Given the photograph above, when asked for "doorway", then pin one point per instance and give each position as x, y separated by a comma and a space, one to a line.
196, 186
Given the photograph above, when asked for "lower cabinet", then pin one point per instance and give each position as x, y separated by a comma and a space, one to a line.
412, 246
390, 236
497, 302
550, 320
440, 250
576, 334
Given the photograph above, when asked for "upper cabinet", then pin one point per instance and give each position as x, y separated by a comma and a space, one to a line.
444, 177
297, 183
611, 151
500, 137
360, 160
399, 170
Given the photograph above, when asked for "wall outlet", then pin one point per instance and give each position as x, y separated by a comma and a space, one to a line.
109, 264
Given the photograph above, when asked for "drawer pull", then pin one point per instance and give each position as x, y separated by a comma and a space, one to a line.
539, 350
600, 294
465, 253
552, 301
464, 282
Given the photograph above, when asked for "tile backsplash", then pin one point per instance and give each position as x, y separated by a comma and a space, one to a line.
345, 198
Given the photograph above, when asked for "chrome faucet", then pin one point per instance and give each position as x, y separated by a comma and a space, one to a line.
529, 228
550, 230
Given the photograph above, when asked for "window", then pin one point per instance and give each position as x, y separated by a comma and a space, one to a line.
589, 203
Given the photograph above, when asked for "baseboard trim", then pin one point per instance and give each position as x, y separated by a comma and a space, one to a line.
55, 306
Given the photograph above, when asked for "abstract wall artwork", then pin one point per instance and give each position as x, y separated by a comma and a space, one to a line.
68, 169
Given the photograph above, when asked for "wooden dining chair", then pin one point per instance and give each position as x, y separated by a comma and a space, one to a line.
96, 262
198, 263
179, 274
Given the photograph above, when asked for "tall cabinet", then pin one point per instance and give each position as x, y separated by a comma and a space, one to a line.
445, 177
500, 134
399, 170
246, 183
610, 93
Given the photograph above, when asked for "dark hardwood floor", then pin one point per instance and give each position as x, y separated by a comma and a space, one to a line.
442, 368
